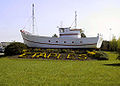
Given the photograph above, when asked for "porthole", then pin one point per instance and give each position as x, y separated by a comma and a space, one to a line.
72, 41
64, 41
56, 41
48, 40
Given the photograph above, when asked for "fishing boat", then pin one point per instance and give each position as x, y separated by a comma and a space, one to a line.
68, 38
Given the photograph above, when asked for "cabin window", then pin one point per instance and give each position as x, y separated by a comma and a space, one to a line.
62, 30
64, 41
48, 40
72, 41
56, 41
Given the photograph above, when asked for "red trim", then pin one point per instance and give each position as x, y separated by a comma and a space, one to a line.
75, 29
22, 31
59, 44
69, 34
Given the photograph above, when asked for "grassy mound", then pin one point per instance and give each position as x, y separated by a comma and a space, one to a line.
39, 72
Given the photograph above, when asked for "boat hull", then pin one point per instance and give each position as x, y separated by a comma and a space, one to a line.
61, 42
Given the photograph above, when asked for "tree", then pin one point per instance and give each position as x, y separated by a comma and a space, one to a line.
55, 35
113, 44
15, 48
118, 48
105, 45
118, 45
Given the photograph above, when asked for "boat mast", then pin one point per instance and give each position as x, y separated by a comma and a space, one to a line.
33, 18
75, 19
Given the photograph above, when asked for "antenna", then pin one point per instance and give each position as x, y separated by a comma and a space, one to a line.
33, 18
75, 19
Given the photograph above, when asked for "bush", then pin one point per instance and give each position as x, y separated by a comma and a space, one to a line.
118, 57
101, 55
80, 51
15, 48
82, 57
63, 51
91, 54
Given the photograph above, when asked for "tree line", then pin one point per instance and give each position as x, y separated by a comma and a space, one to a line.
113, 45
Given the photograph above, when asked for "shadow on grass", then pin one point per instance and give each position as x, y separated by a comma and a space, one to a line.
114, 64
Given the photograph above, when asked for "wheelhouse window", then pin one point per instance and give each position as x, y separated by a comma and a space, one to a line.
62, 30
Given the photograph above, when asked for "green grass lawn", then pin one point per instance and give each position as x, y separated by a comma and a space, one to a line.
38, 72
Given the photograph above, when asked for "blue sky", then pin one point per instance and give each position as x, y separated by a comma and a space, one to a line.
94, 16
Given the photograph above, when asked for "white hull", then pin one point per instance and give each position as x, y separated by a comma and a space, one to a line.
61, 42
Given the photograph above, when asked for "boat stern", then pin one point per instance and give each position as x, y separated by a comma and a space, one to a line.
100, 40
